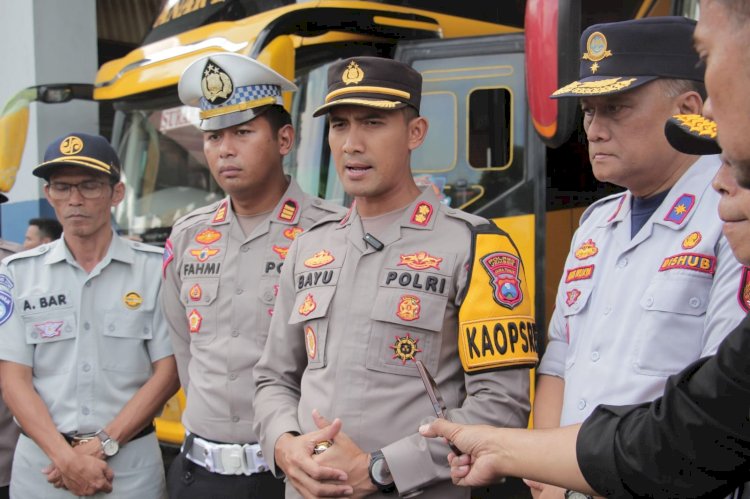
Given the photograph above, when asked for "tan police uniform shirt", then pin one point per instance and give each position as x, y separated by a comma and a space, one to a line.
91, 340
218, 298
350, 322
8, 428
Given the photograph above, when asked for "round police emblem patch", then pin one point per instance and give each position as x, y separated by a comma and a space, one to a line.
6, 307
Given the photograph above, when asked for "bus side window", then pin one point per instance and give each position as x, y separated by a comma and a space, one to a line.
489, 141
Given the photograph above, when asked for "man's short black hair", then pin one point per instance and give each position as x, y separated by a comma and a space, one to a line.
48, 227
277, 117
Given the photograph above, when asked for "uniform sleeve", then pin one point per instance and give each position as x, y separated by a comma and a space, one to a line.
13, 346
174, 314
694, 441
497, 386
159, 346
724, 309
278, 373
556, 348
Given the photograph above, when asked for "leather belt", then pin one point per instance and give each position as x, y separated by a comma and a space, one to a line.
225, 459
75, 439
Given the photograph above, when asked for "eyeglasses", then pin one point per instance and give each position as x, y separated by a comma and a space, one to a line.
90, 189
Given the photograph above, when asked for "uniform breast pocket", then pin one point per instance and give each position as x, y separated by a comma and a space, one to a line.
54, 340
670, 333
124, 335
406, 326
199, 297
311, 312
574, 303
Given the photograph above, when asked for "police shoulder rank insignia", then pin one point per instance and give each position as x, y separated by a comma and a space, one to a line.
421, 260
319, 259
408, 308
216, 84
586, 250
405, 348
503, 271
311, 342
743, 296
422, 213
353, 74
6, 306
6, 281
308, 305
288, 210
167, 257
292, 232
281, 251
690, 261
208, 236
132, 300
221, 213
195, 319
691, 240
680, 209
195, 293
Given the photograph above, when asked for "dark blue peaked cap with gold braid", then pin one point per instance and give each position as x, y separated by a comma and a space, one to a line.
621, 56
80, 149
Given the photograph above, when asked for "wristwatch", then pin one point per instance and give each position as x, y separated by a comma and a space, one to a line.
380, 474
572, 494
110, 446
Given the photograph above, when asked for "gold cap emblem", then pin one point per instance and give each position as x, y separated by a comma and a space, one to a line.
71, 145
353, 74
596, 48
216, 84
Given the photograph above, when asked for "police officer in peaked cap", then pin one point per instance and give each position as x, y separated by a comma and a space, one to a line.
86, 361
365, 296
650, 282
221, 271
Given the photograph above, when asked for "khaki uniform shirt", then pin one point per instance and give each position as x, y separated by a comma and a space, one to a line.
219, 294
8, 428
90, 338
351, 321
632, 311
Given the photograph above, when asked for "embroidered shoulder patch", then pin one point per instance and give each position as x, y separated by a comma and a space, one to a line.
6, 306
503, 271
6, 281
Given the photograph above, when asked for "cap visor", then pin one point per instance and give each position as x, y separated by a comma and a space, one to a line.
387, 105
687, 139
601, 85
46, 169
230, 119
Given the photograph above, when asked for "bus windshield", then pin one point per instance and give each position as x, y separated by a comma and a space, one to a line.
164, 168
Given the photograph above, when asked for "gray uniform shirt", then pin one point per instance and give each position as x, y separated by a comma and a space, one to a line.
348, 326
632, 311
8, 428
89, 338
219, 294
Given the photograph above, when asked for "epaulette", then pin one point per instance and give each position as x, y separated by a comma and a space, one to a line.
471, 219
598, 203
30, 253
139, 246
196, 216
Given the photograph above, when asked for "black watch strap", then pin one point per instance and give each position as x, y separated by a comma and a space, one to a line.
380, 475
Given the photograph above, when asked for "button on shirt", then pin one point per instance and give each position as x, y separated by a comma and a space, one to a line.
631, 312
91, 338
219, 294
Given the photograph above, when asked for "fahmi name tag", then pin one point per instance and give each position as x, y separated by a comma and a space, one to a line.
501, 342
